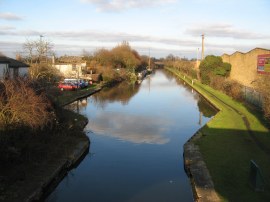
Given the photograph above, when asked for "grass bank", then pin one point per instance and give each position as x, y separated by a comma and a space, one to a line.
235, 136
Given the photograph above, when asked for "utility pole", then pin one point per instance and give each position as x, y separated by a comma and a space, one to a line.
149, 61
202, 46
40, 37
200, 119
197, 64
40, 48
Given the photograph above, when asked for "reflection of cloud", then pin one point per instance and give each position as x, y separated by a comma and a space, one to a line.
133, 128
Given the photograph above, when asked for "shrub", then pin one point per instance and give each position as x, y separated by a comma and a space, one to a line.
266, 107
213, 65
193, 73
233, 89
21, 106
236, 91
217, 82
184, 66
44, 72
263, 86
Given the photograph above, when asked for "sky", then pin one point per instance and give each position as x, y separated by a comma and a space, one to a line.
161, 27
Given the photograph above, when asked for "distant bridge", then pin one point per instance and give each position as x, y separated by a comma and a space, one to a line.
159, 64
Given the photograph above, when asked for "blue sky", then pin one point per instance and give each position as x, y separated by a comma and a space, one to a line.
163, 26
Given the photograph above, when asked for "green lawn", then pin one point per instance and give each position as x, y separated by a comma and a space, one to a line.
230, 140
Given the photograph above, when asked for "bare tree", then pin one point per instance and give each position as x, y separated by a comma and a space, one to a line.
86, 53
44, 49
29, 47
38, 50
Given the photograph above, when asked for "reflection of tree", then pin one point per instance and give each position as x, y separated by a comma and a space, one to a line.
122, 92
77, 105
169, 75
205, 108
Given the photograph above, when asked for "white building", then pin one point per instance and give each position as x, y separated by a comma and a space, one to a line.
71, 69
11, 68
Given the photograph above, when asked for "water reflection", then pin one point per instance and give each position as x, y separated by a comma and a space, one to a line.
78, 105
130, 127
122, 92
152, 121
206, 109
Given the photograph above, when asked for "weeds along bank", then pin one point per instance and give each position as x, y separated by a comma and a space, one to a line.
229, 141
38, 139
217, 73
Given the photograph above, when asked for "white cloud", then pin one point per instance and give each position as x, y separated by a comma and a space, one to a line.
72, 42
121, 5
100, 36
6, 27
9, 16
224, 30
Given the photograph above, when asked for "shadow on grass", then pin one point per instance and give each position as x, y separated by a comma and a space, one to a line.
227, 153
258, 113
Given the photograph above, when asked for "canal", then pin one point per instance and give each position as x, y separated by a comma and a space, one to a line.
137, 133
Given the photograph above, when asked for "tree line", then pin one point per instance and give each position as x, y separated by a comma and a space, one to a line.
121, 62
21, 96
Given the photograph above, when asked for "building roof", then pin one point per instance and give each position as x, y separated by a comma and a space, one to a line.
12, 62
238, 52
70, 59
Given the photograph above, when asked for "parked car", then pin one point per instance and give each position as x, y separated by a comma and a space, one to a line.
80, 83
66, 86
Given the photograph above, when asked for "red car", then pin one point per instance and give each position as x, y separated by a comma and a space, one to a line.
67, 86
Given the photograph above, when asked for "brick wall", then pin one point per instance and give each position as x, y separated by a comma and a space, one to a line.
244, 65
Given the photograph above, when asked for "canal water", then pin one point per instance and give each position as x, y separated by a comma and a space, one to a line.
137, 133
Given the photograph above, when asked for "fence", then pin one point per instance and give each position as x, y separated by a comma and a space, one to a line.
253, 97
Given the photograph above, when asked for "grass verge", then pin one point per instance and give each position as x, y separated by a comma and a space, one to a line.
65, 97
235, 136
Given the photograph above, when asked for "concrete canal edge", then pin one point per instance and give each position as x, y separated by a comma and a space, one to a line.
202, 185
65, 165
195, 167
